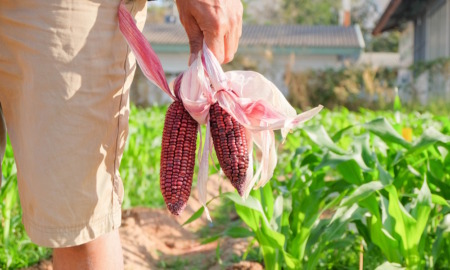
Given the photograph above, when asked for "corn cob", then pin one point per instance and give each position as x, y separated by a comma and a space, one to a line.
177, 157
230, 144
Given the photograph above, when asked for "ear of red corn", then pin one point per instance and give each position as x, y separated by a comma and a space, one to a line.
177, 157
230, 144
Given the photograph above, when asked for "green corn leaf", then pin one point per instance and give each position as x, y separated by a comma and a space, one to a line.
267, 200
436, 168
338, 135
219, 260
385, 177
210, 239
403, 220
410, 228
251, 203
340, 220
361, 148
270, 254
319, 136
371, 204
272, 244
305, 212
195, 216
238, 232
333, 160
422, 210
436, 199
442, 233
384, 240
249, 216
387, 220
334, 202
380, 146
386, 132
310, 158
276, 221
277, 239
315, 237
351, 172
291, 262
447, 161
430, 137
414, 172
298, 242
362, 192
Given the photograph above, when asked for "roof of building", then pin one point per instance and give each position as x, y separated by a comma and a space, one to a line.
398, 12
274, 36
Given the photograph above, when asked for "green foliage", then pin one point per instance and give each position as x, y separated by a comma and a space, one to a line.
365, 185
346, 179
363, 14
439, 65
350, 87
386, 42
16, 249
437, 71
139, 167
368, 87
311, 12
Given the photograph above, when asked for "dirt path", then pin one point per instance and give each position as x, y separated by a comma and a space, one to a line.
154, 239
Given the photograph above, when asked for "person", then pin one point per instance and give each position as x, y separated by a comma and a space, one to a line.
65, 74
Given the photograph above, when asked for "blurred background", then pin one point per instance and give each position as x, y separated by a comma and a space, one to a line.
365, 184
350, 53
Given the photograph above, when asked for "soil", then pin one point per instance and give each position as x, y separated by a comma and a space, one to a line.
155, 239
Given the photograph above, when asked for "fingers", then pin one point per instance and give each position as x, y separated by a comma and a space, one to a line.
217, 22
231, 42
215, 26
193, 31
216, 45
195, 36
231, 39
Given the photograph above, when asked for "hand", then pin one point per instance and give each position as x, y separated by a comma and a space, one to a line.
218, 22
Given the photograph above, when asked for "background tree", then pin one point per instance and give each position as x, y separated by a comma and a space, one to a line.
366, 14
311, 12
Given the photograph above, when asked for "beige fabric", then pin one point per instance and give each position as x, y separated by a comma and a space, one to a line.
65, 73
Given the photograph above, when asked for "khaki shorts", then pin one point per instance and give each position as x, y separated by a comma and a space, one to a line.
65, 74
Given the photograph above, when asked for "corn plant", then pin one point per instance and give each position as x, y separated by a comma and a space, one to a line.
140, 165
364, 185
382, 190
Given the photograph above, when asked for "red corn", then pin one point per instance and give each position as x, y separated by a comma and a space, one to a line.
230, 143
177, 157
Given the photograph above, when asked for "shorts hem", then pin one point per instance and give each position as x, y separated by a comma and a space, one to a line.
54, 237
